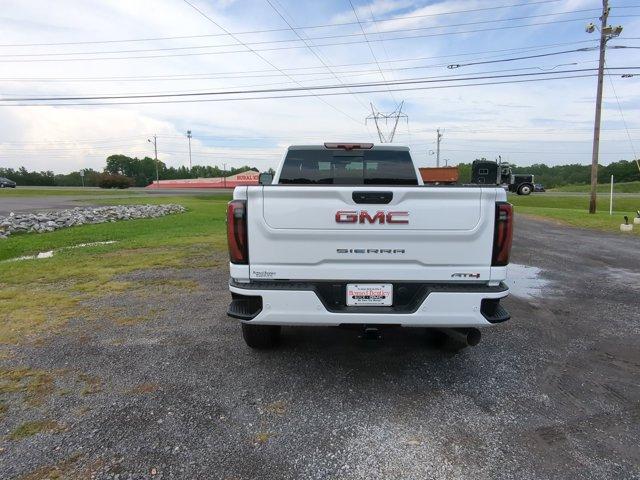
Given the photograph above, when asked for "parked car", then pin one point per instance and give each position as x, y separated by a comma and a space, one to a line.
347, 234
538, 187
6, 183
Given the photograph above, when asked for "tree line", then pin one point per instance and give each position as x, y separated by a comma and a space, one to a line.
142, 172
572, 174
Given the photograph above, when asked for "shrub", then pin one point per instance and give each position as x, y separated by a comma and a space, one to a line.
114, 181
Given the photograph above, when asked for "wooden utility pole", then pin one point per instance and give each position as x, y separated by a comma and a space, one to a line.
596, 126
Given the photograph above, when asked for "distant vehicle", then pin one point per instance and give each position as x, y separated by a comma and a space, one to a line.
348, 234
522, 184
493, 173
6, 183
538, 187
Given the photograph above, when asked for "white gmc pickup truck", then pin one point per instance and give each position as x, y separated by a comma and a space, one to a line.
347, 234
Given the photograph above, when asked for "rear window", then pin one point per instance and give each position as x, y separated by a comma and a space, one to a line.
342, 167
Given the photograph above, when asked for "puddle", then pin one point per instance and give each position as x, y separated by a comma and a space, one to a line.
525, 281
49, 253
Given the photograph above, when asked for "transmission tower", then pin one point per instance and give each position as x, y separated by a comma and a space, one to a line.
382, 121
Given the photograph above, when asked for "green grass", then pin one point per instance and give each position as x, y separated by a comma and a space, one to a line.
42, 295
623, 187
205, 217
63, 191
29, 429
573, 209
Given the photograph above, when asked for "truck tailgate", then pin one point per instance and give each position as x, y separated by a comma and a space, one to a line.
421, 234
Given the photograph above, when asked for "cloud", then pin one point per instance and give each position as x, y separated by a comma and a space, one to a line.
537, 115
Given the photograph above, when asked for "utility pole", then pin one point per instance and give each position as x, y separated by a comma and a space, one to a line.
438, 138
606, 33
189, 137
224, 174
155, 152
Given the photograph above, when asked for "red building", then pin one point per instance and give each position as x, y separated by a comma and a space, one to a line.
244, 178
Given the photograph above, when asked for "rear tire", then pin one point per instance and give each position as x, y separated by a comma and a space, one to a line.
524, 190
261, 337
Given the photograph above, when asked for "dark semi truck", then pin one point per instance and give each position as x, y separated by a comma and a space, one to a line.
494, 173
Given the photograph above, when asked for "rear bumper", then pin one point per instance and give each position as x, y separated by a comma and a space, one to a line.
430, 305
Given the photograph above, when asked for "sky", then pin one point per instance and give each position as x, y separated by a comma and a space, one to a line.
132, 47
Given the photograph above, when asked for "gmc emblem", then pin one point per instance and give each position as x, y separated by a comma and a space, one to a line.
362, 216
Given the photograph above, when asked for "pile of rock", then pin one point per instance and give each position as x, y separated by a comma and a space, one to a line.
55, 219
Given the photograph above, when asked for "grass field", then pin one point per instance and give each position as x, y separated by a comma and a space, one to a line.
42, 295
573, 209
623, 187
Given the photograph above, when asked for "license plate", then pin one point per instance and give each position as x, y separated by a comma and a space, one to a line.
371, 294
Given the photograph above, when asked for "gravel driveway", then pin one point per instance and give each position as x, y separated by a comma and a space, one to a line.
170, 390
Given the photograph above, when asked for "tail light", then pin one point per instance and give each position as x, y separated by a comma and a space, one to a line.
349, 146
503, 234
237, 231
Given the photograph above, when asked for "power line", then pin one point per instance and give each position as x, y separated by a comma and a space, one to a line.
541, 152
383, 45
325, 37
375, 59
264, 59
458, 65
291, 47
342, 84
184, 37
452, 130
309, 87
624, 122
325, 94
252, 73
315, 54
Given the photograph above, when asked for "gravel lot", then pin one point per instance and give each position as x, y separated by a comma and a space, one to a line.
554, 393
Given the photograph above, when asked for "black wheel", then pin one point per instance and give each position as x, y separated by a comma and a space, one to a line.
524, 190
261, 337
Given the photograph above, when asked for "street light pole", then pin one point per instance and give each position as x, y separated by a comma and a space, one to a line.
155, 152
438, 138
189, 137
606, 33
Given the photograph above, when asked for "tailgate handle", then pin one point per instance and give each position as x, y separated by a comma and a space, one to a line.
372, 197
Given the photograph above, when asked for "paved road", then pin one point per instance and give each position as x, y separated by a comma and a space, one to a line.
35, 204
552, 394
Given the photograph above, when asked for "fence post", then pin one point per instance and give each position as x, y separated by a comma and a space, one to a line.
611, 198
